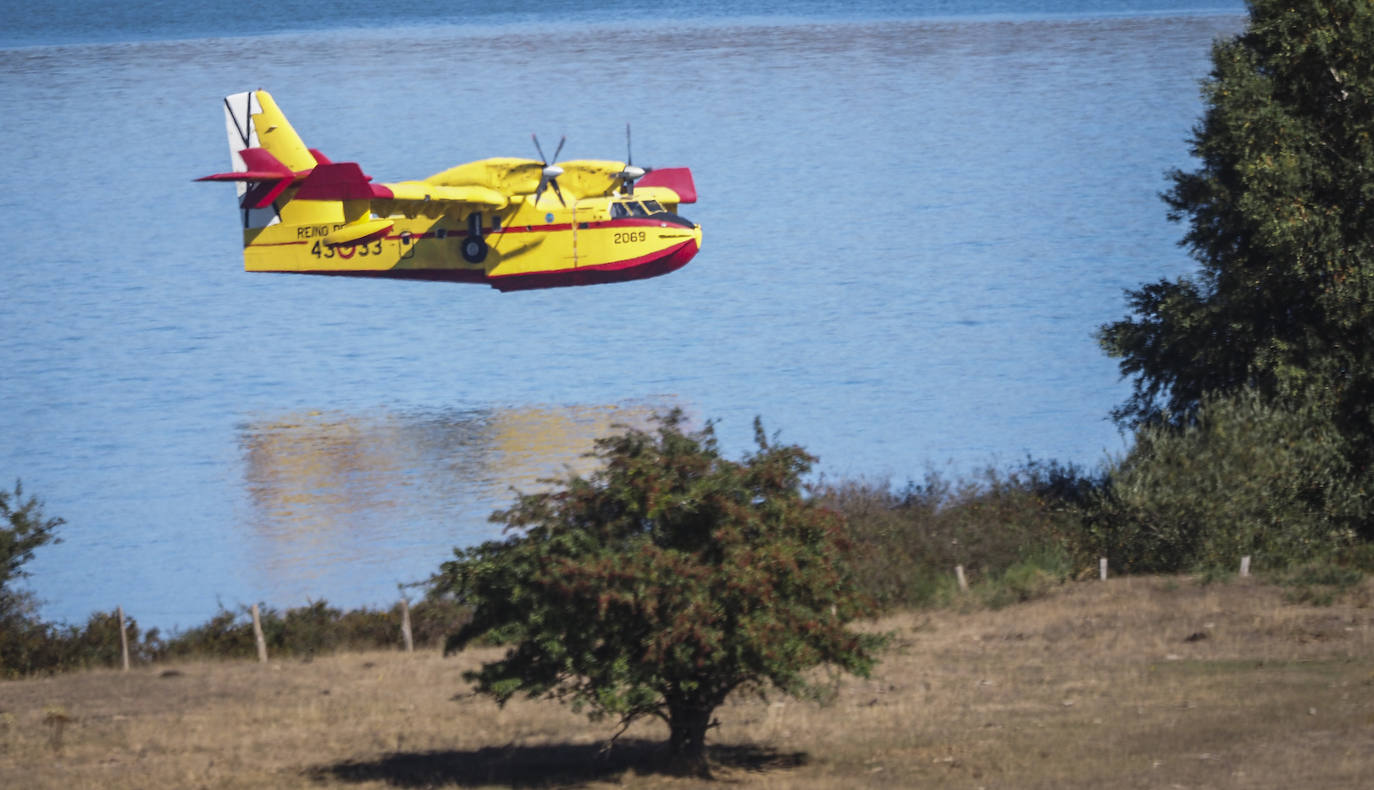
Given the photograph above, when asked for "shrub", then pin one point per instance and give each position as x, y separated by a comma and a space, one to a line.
997, 525
1247, 477
225, 635
30, 646
315, 629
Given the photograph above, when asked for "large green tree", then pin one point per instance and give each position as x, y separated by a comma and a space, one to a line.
662, 583
1280, 215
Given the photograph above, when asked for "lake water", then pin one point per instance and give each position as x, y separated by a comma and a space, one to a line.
915, 216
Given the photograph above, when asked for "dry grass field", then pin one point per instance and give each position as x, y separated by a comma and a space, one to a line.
1141, 682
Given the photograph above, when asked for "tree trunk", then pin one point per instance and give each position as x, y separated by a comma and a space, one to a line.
687, 723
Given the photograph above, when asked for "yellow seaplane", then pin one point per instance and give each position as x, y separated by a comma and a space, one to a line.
509, 222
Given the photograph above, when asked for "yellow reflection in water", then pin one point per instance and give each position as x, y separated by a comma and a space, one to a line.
328, 490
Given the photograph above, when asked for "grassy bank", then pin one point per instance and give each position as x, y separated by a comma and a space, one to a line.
1136, 682
1016, 534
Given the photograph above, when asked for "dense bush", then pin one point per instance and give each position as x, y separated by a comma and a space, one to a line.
1014, 532
225, 635
31, 646
97, 642
316, 628
1246, 477
26, 646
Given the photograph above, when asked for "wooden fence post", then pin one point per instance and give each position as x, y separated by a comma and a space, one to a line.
1102, 568
1245, 566
405, 626
257, 636
123, 638
963, 580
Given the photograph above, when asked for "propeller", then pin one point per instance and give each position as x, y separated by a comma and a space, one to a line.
630, 173
548, 176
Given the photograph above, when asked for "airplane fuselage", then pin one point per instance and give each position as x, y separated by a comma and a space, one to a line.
522, 246
509, 222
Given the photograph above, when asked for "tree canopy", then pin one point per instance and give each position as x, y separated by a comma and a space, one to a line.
1280, 216
662, 583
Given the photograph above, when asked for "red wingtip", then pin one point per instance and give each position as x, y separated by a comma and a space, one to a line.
678, 179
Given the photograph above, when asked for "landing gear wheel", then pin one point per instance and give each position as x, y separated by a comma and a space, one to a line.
474, 249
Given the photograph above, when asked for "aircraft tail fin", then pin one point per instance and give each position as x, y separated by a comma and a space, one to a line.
253, 120
268, 158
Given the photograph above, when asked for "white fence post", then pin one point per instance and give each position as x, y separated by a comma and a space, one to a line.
257, 636
405, 626
123, 638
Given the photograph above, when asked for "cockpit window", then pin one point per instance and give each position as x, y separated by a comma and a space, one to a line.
635, 209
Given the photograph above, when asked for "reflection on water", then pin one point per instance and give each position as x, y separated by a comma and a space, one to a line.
339, 500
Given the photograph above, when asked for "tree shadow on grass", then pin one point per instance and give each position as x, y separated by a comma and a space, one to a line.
550, 765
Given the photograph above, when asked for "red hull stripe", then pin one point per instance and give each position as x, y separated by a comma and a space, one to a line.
619, 271
462, 234
561, 227
645, 266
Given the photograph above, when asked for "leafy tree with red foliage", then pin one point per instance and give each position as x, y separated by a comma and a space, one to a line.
662, 583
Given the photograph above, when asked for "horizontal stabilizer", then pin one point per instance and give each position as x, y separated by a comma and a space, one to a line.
268, 175
678, 179
245, 175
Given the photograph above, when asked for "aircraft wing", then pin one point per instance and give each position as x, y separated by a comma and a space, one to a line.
346, 181
328, 180
423, 192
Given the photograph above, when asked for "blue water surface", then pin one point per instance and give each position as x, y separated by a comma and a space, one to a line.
915, 217
77, 21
